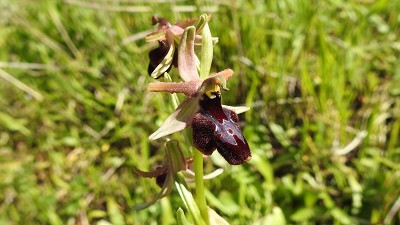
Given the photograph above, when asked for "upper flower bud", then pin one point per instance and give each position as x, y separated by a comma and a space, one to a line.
168, 37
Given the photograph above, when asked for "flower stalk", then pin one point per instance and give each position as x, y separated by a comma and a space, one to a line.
205, 66
199, 180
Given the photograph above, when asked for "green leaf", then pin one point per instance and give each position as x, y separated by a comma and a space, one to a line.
97, 214
224, 203
341, 216
181, 218
114, 212
215, 218
265, 168
357, 196
280, 134
14, 124
276, 217
305, 214
190, 204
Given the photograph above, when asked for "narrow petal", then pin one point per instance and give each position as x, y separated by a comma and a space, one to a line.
227, 73
165, 63
186, 56
189, 175
156, 36
236, 109
165, 190
154, 173
187, 88
178, 120
186, 23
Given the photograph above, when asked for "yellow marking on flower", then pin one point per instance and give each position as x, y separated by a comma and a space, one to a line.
214, 85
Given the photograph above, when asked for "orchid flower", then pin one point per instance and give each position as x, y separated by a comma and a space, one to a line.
167, 36
165, 174
214, 126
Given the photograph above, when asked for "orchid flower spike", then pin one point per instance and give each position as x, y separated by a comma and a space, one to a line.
214, 126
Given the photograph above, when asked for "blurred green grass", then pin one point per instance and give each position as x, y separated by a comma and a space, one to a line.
322, 78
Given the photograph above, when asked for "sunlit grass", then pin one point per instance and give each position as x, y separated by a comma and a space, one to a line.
322, 80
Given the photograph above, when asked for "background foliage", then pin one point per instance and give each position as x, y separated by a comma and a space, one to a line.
321, 77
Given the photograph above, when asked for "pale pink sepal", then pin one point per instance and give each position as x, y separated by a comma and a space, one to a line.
187, 88
186, 56
176, 30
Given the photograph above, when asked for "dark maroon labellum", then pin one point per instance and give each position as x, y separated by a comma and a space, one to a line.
217, 128
160, 179
156, 56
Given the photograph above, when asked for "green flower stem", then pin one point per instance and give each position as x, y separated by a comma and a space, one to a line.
205, 65
200, 196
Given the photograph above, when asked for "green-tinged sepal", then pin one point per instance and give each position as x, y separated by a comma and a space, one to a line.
187, 57
201, 22
178, 120
206, 52
156, 36
175, 157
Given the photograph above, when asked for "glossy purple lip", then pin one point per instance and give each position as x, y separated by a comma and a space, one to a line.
217, 128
